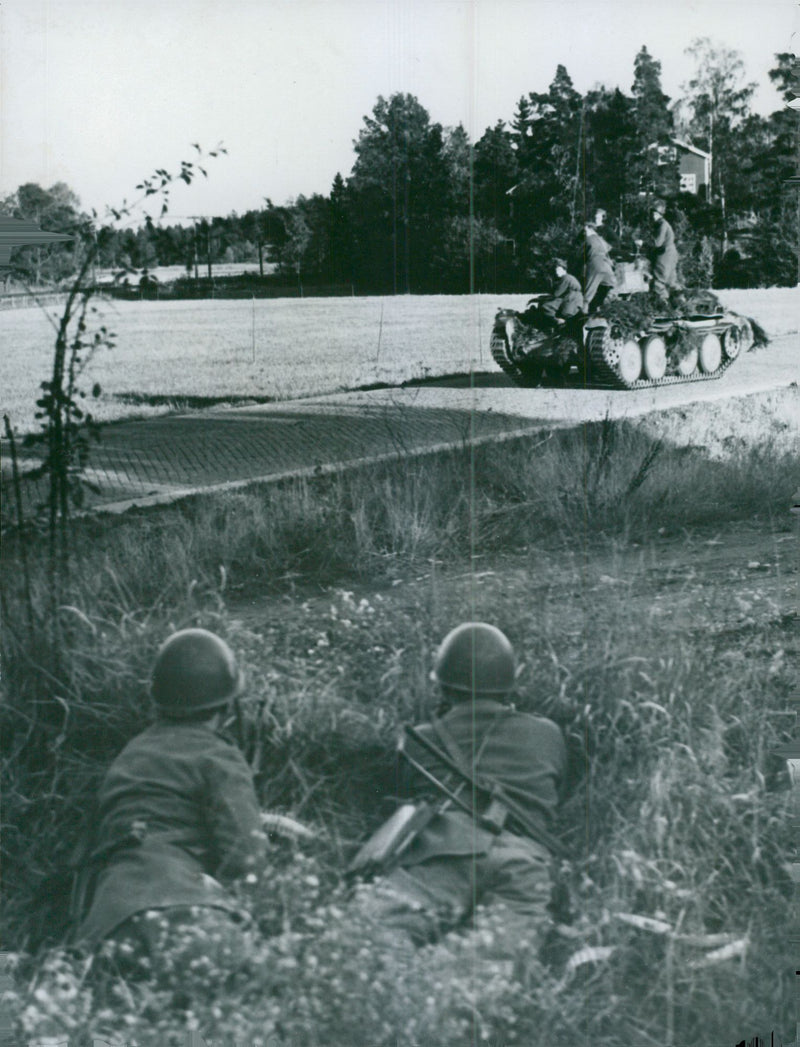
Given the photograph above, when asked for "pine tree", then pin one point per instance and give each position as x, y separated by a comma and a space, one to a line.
496, 171
400, 183
611, 142
653, 122
457, 155
548, 129
341, 261
650, 105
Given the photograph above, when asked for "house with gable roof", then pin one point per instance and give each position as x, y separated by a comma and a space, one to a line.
693, 164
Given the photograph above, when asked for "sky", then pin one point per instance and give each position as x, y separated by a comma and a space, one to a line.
99, 93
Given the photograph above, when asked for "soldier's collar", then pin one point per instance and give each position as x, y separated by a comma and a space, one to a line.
483, 705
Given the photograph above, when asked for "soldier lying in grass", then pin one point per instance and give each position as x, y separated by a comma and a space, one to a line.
177, 821
486, 780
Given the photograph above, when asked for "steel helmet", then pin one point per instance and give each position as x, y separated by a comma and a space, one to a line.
194, 670
476, 658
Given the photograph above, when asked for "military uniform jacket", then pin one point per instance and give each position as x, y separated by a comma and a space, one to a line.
177, 820
597, 260
665, 253
525, 754
567, 294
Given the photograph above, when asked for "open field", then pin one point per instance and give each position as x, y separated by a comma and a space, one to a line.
167, 273
207, 351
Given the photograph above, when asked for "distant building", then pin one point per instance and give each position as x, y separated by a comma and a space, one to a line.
694, 168
694, 165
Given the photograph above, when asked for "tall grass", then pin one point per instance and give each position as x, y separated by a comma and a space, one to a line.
675, 810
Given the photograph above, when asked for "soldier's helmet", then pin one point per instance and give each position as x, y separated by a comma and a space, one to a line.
194, 671
475, 658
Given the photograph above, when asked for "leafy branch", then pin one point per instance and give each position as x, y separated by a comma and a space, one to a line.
66, 428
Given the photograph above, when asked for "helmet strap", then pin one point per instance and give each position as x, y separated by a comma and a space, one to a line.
238, 718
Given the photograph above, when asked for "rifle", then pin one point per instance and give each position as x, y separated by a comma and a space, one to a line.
499, 806
380, 852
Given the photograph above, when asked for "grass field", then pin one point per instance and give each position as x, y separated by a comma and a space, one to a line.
211, 350
648, 592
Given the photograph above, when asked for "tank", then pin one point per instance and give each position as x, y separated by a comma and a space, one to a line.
529, 355
664, 350
634, 340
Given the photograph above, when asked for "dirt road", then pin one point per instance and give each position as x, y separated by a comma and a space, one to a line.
159, 459
774, 367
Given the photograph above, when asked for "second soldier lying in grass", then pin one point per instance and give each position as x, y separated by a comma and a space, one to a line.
483, 781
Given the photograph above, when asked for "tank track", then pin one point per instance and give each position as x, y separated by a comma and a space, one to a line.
499, 349
597, 366
603, 373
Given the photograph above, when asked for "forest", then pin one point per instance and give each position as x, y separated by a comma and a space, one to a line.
425, 210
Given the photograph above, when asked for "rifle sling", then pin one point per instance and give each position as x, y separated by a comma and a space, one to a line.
517, 816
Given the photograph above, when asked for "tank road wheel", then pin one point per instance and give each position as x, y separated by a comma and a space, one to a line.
738, 337
688, 362
629, 364
654, 357
710, 354
732, 342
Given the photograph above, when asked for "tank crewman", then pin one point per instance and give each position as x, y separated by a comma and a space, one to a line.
567, 298
664, 253
454, 864
177, 818
616, 243
599, 279
599, 221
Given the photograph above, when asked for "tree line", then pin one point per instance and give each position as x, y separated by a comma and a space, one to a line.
424, 210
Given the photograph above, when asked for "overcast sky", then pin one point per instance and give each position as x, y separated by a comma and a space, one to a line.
97, 93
